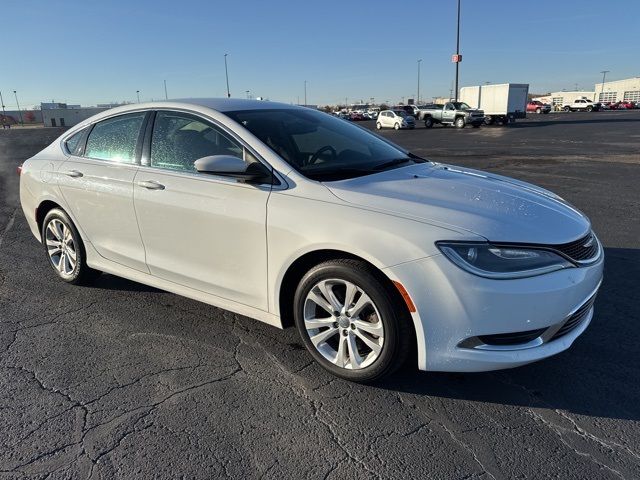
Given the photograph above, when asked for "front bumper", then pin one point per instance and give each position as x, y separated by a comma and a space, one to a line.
455, 308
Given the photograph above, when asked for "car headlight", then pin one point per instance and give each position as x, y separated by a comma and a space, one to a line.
503, 262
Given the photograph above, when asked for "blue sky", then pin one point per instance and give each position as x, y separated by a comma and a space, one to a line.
92, 52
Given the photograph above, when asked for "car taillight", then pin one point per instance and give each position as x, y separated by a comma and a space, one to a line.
20, 169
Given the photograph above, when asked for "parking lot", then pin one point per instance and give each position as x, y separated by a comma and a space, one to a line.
122, 380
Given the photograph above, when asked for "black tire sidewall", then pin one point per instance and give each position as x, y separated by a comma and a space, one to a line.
388, 359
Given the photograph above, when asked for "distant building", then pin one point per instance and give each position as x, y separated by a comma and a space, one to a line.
617, 90
67, 117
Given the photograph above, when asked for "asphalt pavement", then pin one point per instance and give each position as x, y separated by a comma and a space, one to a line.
120, 380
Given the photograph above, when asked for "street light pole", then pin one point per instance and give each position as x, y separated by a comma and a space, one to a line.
226, 74
305, 93
457, 51
19, 111
247, 92
138, 95
604, 75
419, 61
166, 97
2, 103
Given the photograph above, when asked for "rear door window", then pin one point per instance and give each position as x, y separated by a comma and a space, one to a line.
116, 138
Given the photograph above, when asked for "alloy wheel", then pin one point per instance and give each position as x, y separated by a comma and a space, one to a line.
61, 247
343, 324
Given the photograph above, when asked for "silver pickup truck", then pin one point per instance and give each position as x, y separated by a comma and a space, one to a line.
451, 113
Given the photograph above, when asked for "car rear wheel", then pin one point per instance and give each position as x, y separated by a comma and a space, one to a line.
567, 109
538, 111
351, 322
397, 126
459, 122
65, 249
428, 122
589, 108
379, 126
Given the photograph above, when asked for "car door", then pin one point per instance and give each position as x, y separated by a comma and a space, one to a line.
199, 230
96, 180
448, 112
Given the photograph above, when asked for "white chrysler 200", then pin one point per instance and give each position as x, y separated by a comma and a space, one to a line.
291, 216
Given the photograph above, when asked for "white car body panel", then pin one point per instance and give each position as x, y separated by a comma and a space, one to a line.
230, 244
205, 232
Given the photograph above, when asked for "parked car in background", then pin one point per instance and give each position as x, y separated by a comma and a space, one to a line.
452, 113
356, 116
395, 119
538, 107
626, 104
581, 105
293, 217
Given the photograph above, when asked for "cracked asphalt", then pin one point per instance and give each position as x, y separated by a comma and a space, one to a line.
120, 380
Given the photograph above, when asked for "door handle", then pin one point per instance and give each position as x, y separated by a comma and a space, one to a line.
151, 185
73, 174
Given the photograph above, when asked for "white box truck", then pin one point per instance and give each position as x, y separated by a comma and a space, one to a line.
502, 103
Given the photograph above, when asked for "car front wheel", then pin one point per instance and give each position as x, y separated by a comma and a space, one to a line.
378, 125
65, 250
351, 322
397, 126
459, 123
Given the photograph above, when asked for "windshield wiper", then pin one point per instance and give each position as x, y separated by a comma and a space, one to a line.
392, 163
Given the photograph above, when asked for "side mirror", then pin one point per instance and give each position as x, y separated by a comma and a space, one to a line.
230, 166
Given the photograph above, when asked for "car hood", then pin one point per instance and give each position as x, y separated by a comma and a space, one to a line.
495, 207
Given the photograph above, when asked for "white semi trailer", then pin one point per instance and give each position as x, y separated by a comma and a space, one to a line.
502, 103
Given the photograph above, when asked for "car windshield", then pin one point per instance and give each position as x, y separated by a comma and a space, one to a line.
461, 106
322, 147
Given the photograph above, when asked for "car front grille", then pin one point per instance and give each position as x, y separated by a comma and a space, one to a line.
576, 318
581, 250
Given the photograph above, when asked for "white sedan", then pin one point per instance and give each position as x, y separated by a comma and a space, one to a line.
293, 217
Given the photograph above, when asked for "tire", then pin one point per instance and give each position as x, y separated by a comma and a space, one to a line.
459, 122
395, 338
538, 111
58, 230
397, 126
567, 109
379, 126
589, 108
488, 120
428, 122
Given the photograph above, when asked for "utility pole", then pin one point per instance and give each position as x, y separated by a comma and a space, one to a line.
247, 92
226, 74
138, 95
166, 97
418, 101
305, 93
604, 75
457, 52
19, 111
2, 103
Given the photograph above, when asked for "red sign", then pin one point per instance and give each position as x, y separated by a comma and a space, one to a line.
456, 58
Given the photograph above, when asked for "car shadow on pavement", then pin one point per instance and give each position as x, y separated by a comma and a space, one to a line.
597, 376
112, 282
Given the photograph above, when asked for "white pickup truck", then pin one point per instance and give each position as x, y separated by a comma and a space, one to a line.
582, 105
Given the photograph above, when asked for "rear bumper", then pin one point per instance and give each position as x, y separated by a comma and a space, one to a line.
455, 308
